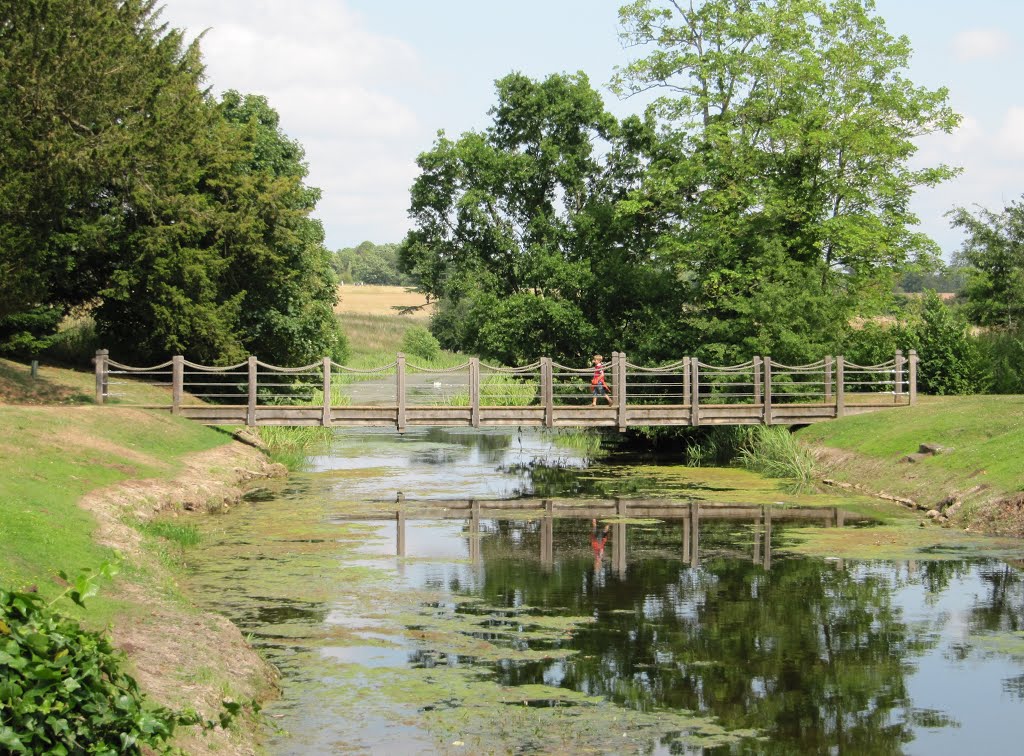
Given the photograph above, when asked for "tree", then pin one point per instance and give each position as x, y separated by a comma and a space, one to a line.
993, 253
81, 84
182, 223
788, 127
516, 234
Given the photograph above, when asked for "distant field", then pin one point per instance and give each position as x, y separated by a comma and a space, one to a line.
379, 300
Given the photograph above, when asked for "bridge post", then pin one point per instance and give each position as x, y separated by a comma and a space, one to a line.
898, 377
686, 380
619, 362
101, 375
828, 380
694, 392
325, 420
547, 391
177, 382
757, 381
840, 387
474, 392
250, 412
767, 390
913, 376
400, 392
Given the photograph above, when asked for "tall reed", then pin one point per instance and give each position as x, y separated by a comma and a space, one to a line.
290, 445
775, 452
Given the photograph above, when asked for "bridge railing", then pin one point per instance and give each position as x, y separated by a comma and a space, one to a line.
686, 391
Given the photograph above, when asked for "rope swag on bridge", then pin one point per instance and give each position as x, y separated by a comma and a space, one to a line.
545, 393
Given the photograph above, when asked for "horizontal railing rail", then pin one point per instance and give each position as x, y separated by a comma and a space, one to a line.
474, 393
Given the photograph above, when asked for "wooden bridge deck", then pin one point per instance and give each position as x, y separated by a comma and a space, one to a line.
546, 394
560, 417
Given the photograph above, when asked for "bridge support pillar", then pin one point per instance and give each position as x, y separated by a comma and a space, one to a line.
400, 392
619, 366
913, 376
250, 411
840, 386
102, 355
325, 419
547, 391
694, 392
177, 382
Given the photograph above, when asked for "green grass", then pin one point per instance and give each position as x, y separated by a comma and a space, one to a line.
985, 435
51, 457
374, 340
182, 534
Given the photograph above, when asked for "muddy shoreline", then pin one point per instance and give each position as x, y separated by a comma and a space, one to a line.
181, 656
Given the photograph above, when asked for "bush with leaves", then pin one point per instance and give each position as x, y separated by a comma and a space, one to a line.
951, 361
62, 689
419, 342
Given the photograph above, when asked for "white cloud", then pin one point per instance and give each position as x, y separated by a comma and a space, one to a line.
1011, 134
333, 82
976, 44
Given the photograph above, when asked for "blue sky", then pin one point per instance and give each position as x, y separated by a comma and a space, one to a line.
365, 85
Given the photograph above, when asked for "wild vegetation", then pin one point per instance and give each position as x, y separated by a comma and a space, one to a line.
178, 221
743, 213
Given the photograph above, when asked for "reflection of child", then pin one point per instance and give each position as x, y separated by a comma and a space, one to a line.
598, 387
598, 539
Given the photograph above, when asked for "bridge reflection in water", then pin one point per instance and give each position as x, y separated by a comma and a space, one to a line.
618, 514
686, 392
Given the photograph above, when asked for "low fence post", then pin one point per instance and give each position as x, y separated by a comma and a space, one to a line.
101, 375
913, 376
325, 420
177, 382
767, 390
840, 387
250, 412
620, 388
400, 392
686, 380
474, 392
898, 377
757, 381
547, 391
828, 380
694, 392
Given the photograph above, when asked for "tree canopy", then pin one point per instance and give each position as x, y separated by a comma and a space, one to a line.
181, 222
517, 234
762, 200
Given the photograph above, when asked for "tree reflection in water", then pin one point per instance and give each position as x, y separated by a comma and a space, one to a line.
812, 653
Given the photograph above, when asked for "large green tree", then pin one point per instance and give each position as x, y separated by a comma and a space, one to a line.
183, 223
993, 256
516, 233
81, 85
788, 129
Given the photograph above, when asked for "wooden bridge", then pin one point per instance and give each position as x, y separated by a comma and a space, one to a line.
474, 394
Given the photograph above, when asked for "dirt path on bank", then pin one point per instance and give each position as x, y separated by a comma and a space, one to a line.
183, 657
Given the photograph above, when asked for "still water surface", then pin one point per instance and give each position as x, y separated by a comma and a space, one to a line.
615, 607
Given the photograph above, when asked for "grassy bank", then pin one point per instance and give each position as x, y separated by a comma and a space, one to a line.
81, 487
977, 479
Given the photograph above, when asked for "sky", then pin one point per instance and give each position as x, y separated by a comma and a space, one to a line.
365, 85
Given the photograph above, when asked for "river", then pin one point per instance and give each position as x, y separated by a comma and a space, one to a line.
496, 591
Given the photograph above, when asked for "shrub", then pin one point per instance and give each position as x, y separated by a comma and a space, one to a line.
420, 342
62, 689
